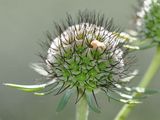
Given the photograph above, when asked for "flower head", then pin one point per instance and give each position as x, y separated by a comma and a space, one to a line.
85, 56
147, 22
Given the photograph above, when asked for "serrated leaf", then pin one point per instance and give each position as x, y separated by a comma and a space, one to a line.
91, 103
64, 100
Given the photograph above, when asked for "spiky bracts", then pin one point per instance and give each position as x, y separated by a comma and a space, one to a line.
88, 55
85, 56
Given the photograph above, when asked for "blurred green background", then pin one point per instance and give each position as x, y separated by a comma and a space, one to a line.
23, 24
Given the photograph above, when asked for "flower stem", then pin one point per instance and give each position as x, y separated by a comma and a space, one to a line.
82, 109
152, 70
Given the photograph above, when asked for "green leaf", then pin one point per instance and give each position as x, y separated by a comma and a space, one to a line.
49, 91
30, 88
138, 89
123, 95
40, 68
130, 77
146, 91
151, 91
126, 101
132, 47
26, 88
64, 100
91, 103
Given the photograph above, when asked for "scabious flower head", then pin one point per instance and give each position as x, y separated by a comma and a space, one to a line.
85, 56
148, 21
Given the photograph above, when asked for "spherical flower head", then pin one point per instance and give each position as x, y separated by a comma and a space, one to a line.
85, 56
88, 55
148, 24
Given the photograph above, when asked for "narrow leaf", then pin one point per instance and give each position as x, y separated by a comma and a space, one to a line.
39, 67
126, 101
64, 100
131, 76
30, 88
27, 88
91, 103
124, 95
49, 91
151, 91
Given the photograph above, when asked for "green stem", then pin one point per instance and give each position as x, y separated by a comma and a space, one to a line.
152, 70
82, 109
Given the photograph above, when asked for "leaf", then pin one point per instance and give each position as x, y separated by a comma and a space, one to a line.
126, 101
30, 88
123, 95
91, 103
64, 100
141, 90
145, 90
151, 91
26, 88
39, 68
130, 77
132, 47
138, 89
51, 90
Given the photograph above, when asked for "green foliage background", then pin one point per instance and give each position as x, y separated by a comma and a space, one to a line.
23, 24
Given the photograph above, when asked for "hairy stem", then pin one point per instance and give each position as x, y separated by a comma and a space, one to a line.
82, 109
152, 70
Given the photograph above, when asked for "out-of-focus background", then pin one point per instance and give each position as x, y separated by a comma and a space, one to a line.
23, 24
